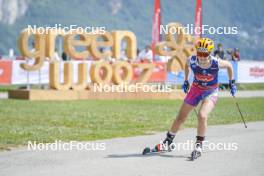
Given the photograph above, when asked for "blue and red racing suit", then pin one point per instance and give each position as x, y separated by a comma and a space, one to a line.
205, 82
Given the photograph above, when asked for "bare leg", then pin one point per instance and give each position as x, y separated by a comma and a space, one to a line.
181, 117
206, 107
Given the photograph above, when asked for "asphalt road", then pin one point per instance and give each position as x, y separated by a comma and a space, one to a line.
122, 156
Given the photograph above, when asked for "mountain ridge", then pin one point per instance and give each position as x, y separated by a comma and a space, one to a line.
136, 15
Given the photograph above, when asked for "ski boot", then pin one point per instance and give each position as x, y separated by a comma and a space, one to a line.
197, 152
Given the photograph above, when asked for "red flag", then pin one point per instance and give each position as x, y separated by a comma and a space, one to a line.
156, 26
198, 18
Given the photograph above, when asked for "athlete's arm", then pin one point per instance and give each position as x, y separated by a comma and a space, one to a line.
228, 66
187, 70
186, 84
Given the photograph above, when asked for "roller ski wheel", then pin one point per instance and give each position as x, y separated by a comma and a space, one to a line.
146, 150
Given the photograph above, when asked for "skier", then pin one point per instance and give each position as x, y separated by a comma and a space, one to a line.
204, 90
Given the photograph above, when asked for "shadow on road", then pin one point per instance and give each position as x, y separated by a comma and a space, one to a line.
133, 155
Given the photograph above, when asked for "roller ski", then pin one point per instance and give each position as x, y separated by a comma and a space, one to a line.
157, 149
163, 147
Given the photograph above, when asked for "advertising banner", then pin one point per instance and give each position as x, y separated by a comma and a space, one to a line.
5, 72
159, 73
251, 72
41, 76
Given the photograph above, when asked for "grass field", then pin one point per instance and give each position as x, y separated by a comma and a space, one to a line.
256, 86
47, 121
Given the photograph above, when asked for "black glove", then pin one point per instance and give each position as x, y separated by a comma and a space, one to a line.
232, 87
186, 86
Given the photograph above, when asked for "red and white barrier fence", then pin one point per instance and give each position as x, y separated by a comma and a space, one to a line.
12, 73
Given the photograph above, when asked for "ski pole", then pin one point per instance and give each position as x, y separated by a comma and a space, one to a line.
196, 112
242, 117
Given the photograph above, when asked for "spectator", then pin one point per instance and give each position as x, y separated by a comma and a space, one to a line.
164, 59
146, 54
64, 56
138, 51
219, 52
234, 54
108, 56
123, 56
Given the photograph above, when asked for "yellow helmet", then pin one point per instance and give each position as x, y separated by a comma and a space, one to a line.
205, 45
